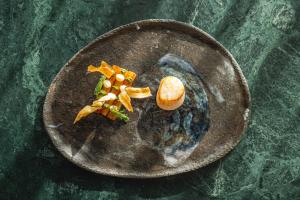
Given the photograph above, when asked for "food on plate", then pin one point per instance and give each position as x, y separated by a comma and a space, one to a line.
170, 94
174, 121
113, 91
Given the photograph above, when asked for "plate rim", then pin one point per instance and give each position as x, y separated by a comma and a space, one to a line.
162, 173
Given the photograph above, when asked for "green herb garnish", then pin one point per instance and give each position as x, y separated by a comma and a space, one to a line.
122, 110
129, 79
98, 87
116, 87
123, 70
119, 114
106, 105
102, 93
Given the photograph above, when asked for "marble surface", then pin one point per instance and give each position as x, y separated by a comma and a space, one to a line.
38, 37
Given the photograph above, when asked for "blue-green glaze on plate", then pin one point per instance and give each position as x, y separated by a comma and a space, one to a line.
176, 133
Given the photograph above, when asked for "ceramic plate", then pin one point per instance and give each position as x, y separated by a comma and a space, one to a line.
154, 142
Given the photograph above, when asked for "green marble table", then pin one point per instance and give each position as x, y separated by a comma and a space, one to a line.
37, 38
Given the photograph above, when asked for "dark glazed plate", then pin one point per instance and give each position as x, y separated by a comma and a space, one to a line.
123, 149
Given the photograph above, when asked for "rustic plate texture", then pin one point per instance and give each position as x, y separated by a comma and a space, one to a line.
121, 149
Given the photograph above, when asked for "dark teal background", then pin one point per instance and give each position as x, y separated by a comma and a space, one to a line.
37, 37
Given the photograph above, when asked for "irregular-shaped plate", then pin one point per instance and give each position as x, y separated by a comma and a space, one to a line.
115, 148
